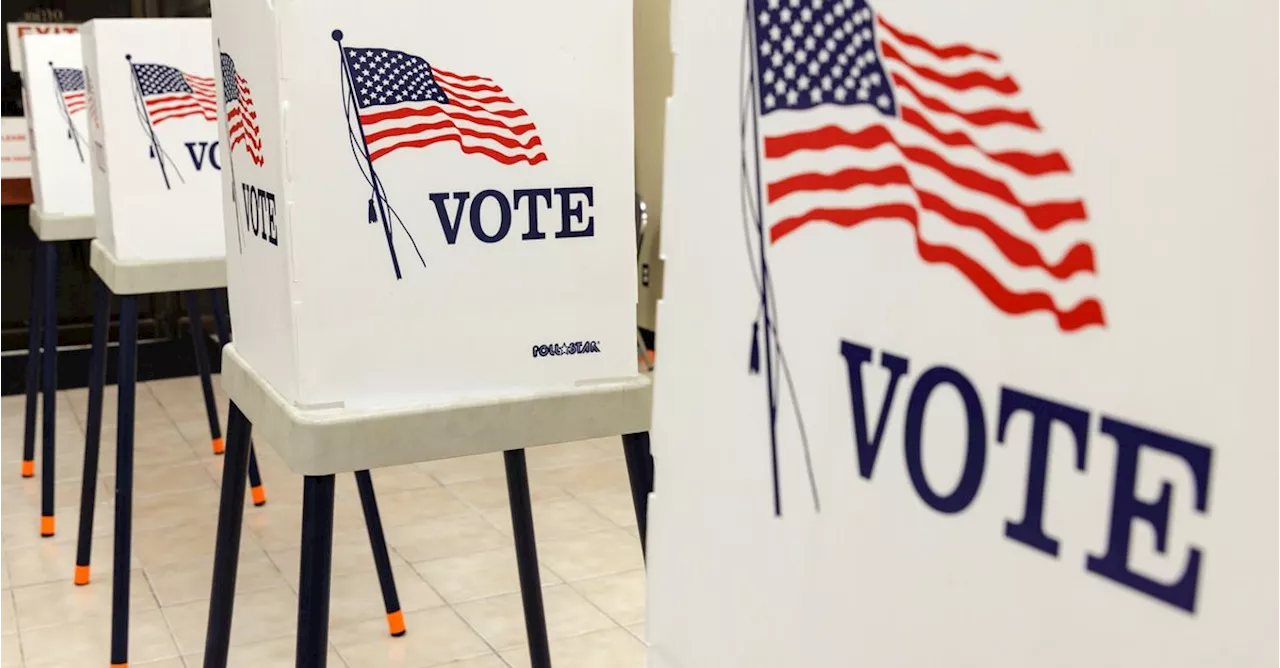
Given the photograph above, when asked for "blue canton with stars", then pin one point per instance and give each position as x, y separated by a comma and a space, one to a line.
160, 80
230, 87
383, 76
69, 79
815, 52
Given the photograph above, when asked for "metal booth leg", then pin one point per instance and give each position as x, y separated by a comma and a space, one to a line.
127, 384
202, 365
640, 472
381, 560
93, 428
535, 620
314, 572
258, 492
226, 555
36, 317
49, 380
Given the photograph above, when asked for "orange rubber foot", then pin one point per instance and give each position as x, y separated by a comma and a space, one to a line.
119, 665
28, 468
82, 575
217, 446
46, 526
395, 620
259, 494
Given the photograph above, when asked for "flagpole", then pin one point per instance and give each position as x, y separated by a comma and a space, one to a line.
764, 269
71, 128
373, 176
155, 144
231, 158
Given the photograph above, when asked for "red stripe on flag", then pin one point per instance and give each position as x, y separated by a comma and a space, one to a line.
406, 112
961, 82
841, 180
942, 52
1027, 163
460, 77
454, 137
1084, 314
983, 117
446, 123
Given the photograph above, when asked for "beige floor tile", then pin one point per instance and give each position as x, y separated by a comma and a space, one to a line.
621, 596
414, 506
617, 506
464, 469
638, 630
356, 597
435, 636
500, 619
392, 480
190, 580
10, 651
7, 622
485, 661
279, 653
51, 646
158, 511
61, 602
266, 614
567, 454
602, 476
554, 519
351, 554
592, 554
171, 662
55, 561
278, 526
482, 575
157, 547
489, 493
165, 479
614, 648
445, 537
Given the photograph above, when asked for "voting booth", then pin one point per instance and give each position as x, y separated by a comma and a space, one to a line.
57, 123
431, 246
153, 137
413, 214
968, 337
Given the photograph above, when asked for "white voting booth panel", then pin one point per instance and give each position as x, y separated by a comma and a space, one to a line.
413, 213
153, 137
57, 115
1020, 342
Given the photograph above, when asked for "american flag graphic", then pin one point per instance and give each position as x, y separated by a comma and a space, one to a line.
242, 119
71, 87
170, 93
404, 102
860, 120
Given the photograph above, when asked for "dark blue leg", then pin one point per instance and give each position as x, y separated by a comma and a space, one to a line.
93, 427
381, 559
126, 381
256, 490
33, 363
640, 472
314, 571
535, 618
49, 381
202, 365
226, 551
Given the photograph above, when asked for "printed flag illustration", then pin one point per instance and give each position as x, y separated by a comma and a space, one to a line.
860, 120
163, 93
71, 88
395, 100
170, 93
71, 97
242, 120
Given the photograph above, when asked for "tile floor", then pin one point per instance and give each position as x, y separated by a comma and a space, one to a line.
447, 525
